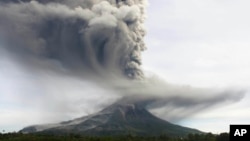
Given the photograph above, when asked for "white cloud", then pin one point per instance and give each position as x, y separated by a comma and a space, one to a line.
198, 38
37, 96
205, 44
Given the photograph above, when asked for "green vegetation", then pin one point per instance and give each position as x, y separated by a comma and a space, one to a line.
72, 137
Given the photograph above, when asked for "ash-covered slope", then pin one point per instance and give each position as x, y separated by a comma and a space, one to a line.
117, 119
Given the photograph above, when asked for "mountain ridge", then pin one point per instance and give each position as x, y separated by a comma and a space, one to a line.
117, 119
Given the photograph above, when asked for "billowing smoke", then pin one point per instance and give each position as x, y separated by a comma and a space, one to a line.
98, 36
63, 44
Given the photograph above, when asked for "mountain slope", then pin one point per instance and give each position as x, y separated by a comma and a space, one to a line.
117, 119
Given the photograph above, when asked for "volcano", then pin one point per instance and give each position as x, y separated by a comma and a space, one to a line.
117, 119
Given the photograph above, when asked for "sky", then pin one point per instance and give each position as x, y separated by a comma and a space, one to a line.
195, 43
203, 44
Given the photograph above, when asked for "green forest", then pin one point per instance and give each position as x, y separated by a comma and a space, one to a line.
72, 137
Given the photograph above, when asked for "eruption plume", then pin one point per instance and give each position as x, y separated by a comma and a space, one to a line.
58, 45
70, 33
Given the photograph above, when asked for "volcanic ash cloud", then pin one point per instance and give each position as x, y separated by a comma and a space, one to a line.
98, 40
101, 37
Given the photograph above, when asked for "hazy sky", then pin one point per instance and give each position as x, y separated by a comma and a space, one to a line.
197, 43
205, 44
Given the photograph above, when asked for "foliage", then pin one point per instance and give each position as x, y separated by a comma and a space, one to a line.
74, 137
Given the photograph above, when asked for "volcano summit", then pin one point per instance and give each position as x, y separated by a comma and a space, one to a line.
117, 119
70, 56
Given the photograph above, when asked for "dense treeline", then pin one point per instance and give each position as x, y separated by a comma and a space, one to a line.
72, 137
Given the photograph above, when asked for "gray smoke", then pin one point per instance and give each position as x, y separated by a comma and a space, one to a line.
97, 36
97, 40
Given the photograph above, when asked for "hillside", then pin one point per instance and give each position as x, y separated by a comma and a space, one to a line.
117, 119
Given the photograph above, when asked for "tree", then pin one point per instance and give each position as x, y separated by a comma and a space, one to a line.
223, 137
